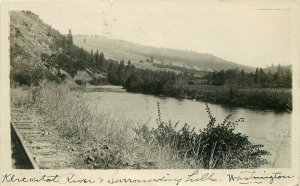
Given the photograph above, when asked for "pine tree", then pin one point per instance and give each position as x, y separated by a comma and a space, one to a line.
102, 62
256, 76
64, 42
97, 60
70, 38
101, 57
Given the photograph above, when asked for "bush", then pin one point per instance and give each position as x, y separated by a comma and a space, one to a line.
216, 146
26, 73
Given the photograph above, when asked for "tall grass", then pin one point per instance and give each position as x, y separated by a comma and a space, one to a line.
96, 140
58, 107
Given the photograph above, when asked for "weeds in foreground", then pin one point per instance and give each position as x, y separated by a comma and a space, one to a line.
216, 146
92, 140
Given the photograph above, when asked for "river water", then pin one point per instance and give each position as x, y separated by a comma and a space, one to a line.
270, 128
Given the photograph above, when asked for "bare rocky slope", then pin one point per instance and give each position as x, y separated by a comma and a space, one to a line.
33, 44
30, 38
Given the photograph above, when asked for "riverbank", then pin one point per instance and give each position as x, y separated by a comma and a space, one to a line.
278, 99
100, 141
273, 126
92, 141
104, 88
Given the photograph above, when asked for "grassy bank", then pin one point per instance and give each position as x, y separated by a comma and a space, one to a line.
108, 141
279, 99
262, 98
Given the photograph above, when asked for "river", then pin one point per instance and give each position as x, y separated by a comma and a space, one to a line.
270, 128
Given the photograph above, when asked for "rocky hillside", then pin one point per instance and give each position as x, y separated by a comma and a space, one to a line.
37, 51
30, 38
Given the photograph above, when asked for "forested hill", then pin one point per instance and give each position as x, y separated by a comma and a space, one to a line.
123, 50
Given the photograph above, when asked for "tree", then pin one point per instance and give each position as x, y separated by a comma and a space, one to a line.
70, 38
101, 57
64, 42
256, 76
97, 60
134, 82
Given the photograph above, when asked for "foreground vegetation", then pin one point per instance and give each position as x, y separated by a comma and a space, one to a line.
102, 141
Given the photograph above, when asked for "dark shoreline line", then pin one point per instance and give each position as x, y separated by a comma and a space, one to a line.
221, 103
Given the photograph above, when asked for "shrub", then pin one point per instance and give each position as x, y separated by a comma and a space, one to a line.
20, 97
26, 73
216, 146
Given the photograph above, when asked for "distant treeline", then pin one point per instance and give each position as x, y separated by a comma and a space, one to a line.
282, 78
234, 93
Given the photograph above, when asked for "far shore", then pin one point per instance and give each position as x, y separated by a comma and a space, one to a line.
104, 88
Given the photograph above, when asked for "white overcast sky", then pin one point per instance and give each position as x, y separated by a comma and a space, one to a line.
238, 31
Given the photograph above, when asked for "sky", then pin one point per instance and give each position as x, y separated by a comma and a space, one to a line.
245, 33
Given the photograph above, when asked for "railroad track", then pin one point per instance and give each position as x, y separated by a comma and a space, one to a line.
39, 146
